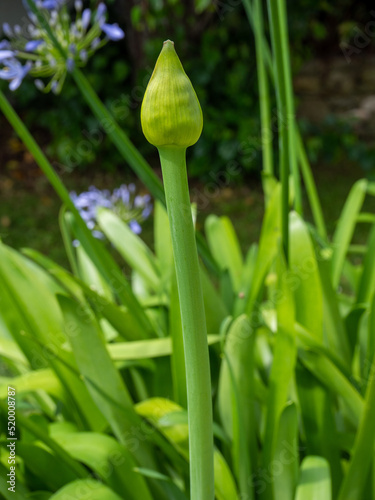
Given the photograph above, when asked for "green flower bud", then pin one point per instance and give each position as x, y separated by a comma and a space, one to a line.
171, 115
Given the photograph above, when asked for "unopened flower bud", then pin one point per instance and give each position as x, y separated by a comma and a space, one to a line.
171, 115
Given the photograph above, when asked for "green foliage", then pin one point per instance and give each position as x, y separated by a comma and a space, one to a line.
97, 394
96, 359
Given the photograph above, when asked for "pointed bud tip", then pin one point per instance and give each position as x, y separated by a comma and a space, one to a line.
171, 115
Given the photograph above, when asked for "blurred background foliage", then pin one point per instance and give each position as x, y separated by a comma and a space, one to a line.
216, 44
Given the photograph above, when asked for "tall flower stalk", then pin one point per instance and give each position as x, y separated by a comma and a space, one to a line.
172, 121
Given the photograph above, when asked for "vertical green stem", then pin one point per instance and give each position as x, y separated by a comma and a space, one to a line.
289, 104
301, 153
173, 165
281, 105
255, 16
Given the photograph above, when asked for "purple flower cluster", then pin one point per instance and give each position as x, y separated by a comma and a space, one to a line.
131, 207
29, 49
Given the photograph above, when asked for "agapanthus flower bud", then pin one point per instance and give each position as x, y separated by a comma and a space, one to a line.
171, 115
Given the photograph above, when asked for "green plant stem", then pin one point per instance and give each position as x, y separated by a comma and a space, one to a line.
255, 16
173, 163
301, 153
289, 103
273, 13
102, 260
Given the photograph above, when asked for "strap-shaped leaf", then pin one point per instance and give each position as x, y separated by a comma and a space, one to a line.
304, 277
111, 461
84, 489
130, 246
225, 247
315, 480
155, 410
345, 228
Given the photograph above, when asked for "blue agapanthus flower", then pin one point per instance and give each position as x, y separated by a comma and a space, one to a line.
30, 51
131, 207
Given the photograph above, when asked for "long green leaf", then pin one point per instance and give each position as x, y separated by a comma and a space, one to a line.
320, 431
366, 286
120, 318
156, 410
38, 460
33, 300
84, 489
236, 398
330, 376
286, 455
268, 246
101, 377
363, 451
130, 246
282, 371
345, 228
334, 327
225, 247
315, 480
304, 274
146, 349
111, 461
